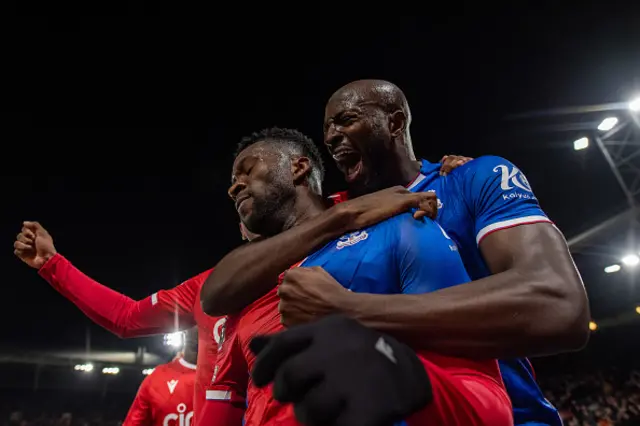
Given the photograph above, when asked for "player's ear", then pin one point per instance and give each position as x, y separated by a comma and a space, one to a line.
397, 123
300, 169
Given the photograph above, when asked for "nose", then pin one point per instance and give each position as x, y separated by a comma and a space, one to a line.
332, 138
235, 189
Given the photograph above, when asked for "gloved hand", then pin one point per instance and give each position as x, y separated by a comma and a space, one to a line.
337, 372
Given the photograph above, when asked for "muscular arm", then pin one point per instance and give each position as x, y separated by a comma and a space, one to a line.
250, 271
123, 316
534, 304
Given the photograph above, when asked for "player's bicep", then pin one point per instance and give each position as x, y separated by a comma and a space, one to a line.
540, 246
499, 196
428, 258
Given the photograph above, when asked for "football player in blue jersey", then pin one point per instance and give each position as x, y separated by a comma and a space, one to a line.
527, 298
276, 185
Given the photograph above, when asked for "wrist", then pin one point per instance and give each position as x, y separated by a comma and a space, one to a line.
348, 305
340, 219
49, 256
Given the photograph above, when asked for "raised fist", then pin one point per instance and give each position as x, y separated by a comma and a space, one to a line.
34, 246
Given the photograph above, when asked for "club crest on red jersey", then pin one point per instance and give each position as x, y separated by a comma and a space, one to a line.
219, 331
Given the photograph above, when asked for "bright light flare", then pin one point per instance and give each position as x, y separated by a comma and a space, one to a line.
608, 124
581, 143
634, 105
638, 310
612, 268
593, 326
631, 260
87, 368
110, 370
174, 339
147, 371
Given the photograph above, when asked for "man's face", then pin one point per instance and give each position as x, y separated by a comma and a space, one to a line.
357, 137
261, 184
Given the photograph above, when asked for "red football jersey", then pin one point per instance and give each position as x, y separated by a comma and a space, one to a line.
165, 397
231, 380
465, 392
162, 312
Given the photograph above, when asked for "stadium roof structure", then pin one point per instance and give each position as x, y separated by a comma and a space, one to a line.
619, 142
614, 128
71, 357
611, 242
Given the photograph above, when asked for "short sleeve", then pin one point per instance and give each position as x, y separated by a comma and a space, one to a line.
499, 196
426, 257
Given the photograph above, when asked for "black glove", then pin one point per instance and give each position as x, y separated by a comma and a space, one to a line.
337, 372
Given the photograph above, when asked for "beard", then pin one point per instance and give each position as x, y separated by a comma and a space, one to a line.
374, 163
271, 211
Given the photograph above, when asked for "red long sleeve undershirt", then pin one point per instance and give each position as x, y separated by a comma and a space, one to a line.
123, 316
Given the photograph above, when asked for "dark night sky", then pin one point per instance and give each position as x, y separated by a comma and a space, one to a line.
122, 129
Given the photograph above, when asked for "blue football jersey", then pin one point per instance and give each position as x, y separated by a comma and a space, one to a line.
480, 197
401, 255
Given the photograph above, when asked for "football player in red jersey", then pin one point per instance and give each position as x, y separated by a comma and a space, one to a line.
123, 316
165, 398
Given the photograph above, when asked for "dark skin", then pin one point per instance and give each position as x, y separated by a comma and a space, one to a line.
243, 275
533, 304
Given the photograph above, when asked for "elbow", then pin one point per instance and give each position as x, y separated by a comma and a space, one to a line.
562, 322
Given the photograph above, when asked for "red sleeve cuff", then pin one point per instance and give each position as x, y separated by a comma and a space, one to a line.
48, 269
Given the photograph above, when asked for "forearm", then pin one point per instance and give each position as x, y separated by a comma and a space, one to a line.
252, 270
116, 312
505, 315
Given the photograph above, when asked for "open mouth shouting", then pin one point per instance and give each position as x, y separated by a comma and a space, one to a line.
349, 161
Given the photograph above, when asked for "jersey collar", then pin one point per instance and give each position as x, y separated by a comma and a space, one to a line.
428, 168
187, 364
425, 169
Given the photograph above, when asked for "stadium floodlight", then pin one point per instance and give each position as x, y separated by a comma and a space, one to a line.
593, 326
147, 371
174, 339
86, 368
110, 370
608, 124
631, 260
612, 268
638, 310
581, 143
634, 105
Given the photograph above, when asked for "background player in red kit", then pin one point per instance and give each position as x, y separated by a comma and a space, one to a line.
165, 397
123, 316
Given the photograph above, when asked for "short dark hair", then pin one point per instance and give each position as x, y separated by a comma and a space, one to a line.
297, 143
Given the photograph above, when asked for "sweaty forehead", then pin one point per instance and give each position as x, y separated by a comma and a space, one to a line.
341, 102
257, 151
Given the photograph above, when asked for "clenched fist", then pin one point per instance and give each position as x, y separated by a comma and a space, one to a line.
308, 294
34, 246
